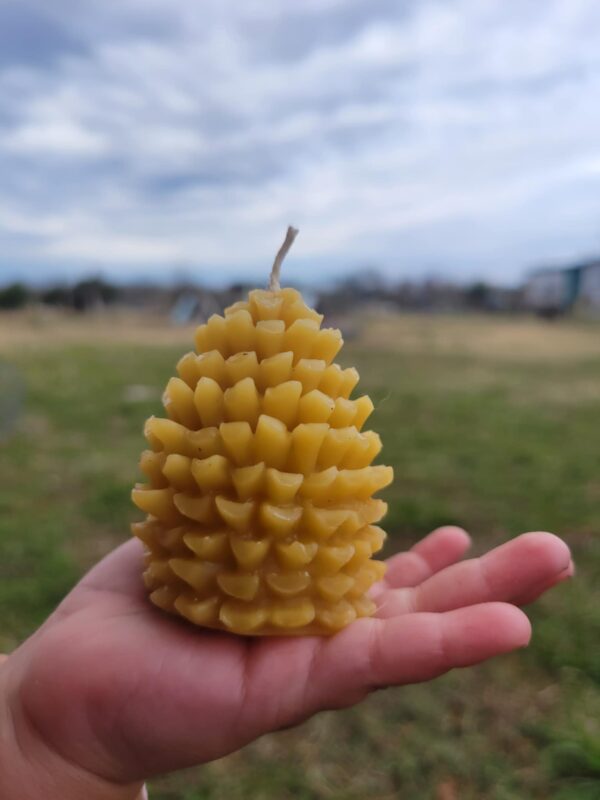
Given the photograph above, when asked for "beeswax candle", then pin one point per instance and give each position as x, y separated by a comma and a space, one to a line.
260, 515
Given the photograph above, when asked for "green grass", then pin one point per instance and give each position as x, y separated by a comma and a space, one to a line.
496, 445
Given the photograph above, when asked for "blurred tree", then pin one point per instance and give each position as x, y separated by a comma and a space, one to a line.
477, 296
15, 295
83, 296
57, 296
93, 293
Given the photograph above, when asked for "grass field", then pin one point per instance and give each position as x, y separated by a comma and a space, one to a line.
492, 424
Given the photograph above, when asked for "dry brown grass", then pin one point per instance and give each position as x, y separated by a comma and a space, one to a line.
494, 338
489, 337
41, 328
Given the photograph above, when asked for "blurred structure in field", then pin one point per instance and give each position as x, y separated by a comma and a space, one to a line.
546, 292
434, 295
556, 291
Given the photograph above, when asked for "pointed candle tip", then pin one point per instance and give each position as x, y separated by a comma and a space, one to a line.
290, 235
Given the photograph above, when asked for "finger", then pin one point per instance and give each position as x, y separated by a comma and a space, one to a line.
118, 574
442, 547
504, 574
543, 587
120, 571
411, 648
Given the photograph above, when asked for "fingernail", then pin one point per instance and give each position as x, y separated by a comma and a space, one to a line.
569, 572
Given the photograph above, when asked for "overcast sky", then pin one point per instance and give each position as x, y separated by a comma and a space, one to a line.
146, 137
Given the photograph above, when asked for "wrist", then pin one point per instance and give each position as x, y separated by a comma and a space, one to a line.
30, 769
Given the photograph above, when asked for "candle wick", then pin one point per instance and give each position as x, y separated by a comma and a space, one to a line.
281, 254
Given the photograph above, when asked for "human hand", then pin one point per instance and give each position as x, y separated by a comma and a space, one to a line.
109, 691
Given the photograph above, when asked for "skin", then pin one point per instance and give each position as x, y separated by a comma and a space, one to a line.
110, 691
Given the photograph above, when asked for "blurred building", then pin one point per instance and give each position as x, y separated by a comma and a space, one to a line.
590, 286
558, 291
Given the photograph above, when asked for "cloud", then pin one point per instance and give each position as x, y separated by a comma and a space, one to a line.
30, 36
457, 136
63, 137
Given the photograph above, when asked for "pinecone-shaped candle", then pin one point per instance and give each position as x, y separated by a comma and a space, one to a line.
259, 496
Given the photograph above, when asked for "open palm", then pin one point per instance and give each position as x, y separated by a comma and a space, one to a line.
124, 691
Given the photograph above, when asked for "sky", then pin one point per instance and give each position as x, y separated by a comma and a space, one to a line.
146, 138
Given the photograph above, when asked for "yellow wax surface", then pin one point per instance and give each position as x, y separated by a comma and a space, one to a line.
259, 494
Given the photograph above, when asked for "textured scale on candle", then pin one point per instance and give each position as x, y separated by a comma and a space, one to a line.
259, 495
